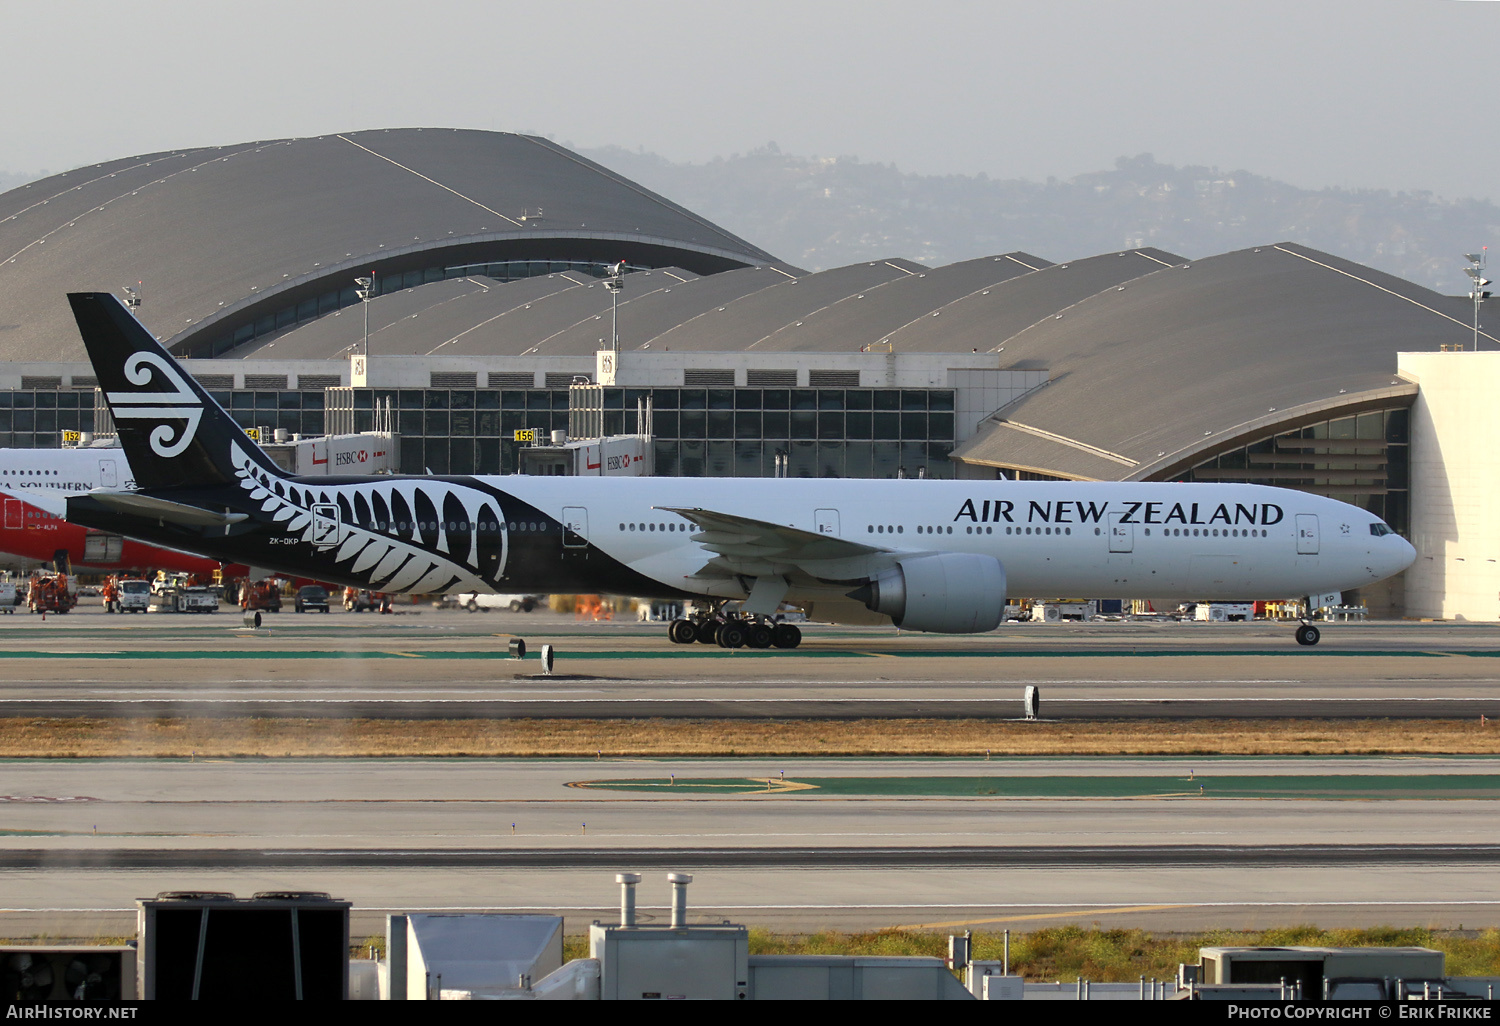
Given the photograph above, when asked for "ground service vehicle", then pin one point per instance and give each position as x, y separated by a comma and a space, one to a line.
362, 600
52, 593
474, 601
263, 595
185, 598
126, 594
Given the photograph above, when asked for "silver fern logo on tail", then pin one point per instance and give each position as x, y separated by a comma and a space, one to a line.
180, 404
374, 531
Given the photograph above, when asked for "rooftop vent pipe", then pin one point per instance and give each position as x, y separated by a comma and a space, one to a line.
627, 882
679, 883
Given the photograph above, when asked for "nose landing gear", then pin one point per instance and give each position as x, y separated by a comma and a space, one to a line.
1307, 634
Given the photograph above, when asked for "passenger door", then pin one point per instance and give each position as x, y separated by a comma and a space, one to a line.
325, 525
575, 527
1307, 534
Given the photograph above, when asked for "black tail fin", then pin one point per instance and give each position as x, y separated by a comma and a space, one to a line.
173, 434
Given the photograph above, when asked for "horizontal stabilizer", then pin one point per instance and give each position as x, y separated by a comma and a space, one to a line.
137, 505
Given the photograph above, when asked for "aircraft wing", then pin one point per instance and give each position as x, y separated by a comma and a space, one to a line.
147, 507
746, 547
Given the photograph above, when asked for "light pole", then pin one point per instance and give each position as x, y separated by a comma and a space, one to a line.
613, 283
1475, 271
365, 292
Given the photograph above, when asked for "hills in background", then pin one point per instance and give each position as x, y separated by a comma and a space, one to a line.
824, 212
12, 179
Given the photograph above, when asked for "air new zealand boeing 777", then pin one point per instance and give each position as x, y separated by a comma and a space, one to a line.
927, 555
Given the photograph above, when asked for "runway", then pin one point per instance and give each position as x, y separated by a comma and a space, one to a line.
1290, 857
430, 664
82, 838
786, 844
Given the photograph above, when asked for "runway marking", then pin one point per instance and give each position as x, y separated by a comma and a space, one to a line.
749, 785
1322, 787
1105, 910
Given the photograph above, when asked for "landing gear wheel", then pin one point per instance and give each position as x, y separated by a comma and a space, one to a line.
786, 636
472, 606
731, 634
708, 631
1307, 634
682, 632
759, 636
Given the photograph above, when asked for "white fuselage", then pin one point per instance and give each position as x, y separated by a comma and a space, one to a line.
68, 471
1100, 540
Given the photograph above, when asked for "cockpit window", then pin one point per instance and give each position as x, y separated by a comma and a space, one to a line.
1380, 530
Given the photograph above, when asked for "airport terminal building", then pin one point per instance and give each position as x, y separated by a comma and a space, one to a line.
486, 252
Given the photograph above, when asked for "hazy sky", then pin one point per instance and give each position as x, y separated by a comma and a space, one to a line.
1384, 93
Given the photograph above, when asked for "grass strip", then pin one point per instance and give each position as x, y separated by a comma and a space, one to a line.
1118, 956
1062, 953
183, 737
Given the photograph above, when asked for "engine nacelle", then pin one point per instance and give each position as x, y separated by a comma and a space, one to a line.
946, 593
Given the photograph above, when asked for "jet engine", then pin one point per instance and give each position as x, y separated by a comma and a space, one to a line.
945, 592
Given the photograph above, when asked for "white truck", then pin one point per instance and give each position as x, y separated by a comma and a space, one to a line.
127, 595
474, 601
1057, 610
1224, 612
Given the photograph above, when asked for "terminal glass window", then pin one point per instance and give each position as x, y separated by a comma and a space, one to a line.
1363, 460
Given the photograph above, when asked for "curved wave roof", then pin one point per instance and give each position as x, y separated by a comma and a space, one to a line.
973, 304
219, 237
1148, 377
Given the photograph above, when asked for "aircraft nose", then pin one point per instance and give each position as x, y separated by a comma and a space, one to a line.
1403, 554
1408, 553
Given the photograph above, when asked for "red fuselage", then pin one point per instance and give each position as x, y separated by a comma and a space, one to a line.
34, 534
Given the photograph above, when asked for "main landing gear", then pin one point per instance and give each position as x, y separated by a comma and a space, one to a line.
1307, 634
733, 631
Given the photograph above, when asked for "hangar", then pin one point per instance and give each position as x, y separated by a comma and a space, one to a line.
1277, 364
